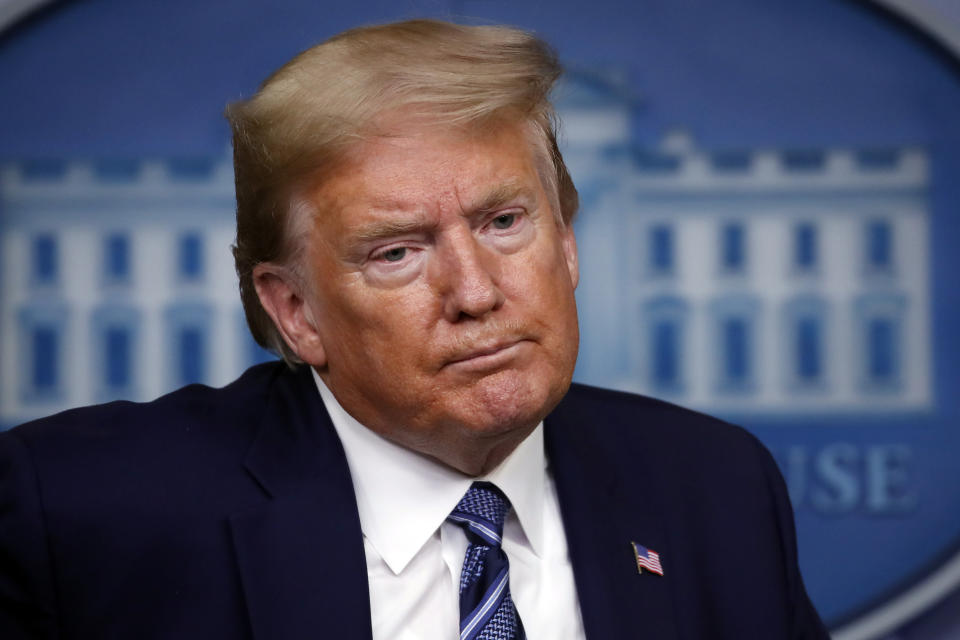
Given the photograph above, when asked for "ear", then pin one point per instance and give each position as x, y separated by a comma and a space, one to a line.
569, 244
283, 299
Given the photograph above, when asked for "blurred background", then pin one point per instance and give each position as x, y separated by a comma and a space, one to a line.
768, 232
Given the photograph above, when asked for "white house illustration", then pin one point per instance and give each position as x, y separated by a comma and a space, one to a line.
117, 282
761, 280
758, 280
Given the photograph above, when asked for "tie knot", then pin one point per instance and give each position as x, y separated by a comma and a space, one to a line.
482, 511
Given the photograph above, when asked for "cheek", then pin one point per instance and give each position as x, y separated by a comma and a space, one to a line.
544, 276
556, 304
384, 329
357, 307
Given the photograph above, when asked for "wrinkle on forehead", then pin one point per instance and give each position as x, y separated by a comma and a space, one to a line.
410, 123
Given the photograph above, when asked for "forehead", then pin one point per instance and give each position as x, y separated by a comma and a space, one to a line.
429, 169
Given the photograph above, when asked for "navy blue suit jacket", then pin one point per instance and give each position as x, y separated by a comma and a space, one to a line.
230, 514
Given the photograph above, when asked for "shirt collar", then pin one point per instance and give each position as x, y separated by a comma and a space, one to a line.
403, 497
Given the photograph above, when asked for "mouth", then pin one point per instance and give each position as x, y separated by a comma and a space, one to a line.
487, 357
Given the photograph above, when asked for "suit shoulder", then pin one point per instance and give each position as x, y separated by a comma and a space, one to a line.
194, 407
618, 410
626, 424
687, 453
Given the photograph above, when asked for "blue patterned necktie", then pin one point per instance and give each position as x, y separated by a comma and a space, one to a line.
486, 609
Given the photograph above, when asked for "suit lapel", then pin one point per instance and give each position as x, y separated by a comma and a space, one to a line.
300, 552
603, 512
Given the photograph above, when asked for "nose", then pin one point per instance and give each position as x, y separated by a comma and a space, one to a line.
467, 275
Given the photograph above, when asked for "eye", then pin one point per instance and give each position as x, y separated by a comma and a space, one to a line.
395, 254
504, 221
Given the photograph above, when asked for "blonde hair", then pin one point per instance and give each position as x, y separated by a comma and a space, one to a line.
311, 111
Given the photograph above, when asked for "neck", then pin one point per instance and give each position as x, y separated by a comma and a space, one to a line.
480, 458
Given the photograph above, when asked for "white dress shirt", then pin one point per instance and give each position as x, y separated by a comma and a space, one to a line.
414, 556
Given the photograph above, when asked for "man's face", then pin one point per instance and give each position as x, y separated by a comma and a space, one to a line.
442, 291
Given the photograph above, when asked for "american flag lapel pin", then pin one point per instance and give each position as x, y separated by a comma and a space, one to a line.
647, 559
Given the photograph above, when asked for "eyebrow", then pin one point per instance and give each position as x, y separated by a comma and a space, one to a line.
502, 194
489, 201
391, 229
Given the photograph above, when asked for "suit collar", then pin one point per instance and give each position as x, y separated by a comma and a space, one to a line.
300, 551
295, 445
603, 512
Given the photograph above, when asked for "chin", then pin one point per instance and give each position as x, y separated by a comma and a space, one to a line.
507, 402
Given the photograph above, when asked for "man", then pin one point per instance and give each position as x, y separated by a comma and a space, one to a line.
404, 241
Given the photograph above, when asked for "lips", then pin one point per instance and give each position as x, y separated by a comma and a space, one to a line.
486, 355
